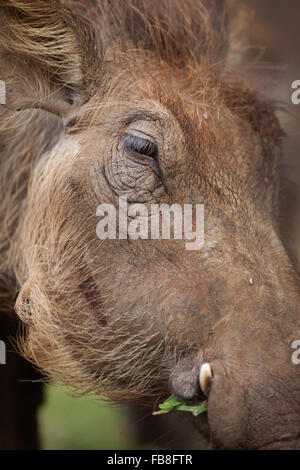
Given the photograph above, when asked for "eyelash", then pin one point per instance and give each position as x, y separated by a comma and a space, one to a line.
140, 146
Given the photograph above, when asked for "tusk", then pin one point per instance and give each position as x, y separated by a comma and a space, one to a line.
205, 377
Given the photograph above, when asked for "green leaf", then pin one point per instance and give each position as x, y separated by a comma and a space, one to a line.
174, 403
170, 404
196, 410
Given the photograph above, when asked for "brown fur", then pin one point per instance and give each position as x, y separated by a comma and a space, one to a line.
91, 322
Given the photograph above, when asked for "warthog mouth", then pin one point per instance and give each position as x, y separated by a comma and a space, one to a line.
224, 425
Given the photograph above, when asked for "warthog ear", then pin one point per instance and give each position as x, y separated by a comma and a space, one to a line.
47, 55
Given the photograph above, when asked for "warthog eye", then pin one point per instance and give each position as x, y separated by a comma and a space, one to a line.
140, 146
142, 151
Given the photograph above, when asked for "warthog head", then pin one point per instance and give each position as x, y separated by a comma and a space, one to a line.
137, 101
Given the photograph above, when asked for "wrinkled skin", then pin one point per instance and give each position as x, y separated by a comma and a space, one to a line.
137, 319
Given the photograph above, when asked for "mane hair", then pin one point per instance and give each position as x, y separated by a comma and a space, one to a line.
175, 31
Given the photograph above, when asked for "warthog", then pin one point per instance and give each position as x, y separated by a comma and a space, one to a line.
135, 98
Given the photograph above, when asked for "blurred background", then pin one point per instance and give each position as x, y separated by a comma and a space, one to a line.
81, 423
68, 422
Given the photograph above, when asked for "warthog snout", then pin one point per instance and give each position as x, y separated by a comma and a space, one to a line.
246, 372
